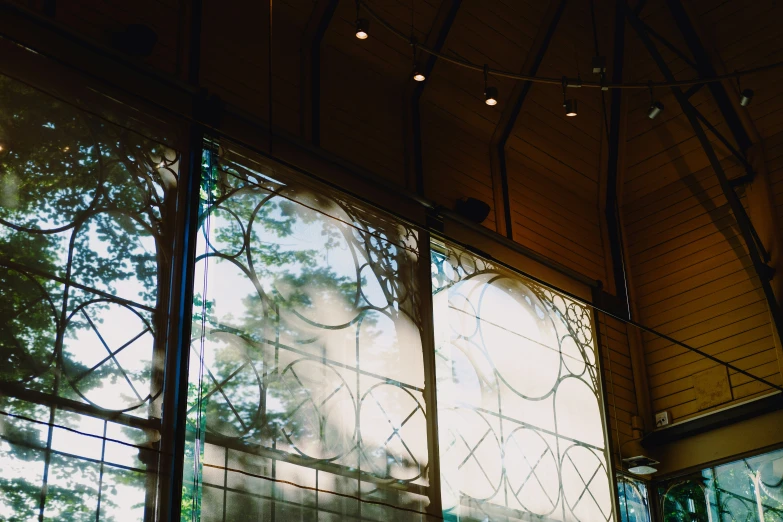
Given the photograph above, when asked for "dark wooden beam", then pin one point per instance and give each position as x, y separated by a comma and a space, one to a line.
508, 119
310, 74
436, 38
704, 67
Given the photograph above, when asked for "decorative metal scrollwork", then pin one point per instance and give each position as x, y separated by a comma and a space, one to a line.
86, 237
308, 328
518, 396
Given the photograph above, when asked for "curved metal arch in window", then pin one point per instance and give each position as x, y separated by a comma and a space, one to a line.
86, 239
519, 401
308, 398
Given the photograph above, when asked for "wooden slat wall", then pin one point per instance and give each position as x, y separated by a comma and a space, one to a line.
691, 275
745, 43
618, 381
553, 161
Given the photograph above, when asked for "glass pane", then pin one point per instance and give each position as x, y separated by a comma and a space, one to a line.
632, 495
686, 501
86, 234
308, 400
519, 412
749, 489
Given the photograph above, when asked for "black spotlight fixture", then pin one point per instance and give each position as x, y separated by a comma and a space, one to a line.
490, 93
417, 75
491, 96
472, 209
362, 24
569, 105
656, 107
362, 28
745, 97
134, 40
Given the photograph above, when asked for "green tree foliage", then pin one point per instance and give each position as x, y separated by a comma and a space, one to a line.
80, 199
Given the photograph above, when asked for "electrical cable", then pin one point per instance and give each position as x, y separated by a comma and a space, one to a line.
602, 73
558, 81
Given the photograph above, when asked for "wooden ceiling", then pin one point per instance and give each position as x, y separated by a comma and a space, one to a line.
689, 271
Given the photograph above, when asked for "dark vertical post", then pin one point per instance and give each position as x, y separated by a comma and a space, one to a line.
175, 380
435, 508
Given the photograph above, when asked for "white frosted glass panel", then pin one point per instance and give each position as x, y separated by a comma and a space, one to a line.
519, 410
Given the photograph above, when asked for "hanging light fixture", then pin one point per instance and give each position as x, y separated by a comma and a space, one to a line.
570, 108
490, 93
641, 465
362, 25
569, 105
362, 28
745, 97
656, 107
418, 74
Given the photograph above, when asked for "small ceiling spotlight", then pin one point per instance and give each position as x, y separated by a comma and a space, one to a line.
418, 74
745, 97
491, 96
362, 28
569, 104
490, 93
655, 109
570, 108
641, 465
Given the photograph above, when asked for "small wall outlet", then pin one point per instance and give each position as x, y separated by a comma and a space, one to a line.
661, 419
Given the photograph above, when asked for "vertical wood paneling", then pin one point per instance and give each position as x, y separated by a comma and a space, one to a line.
618, 381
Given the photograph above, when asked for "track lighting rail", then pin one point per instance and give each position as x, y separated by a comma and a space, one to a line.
500, 73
